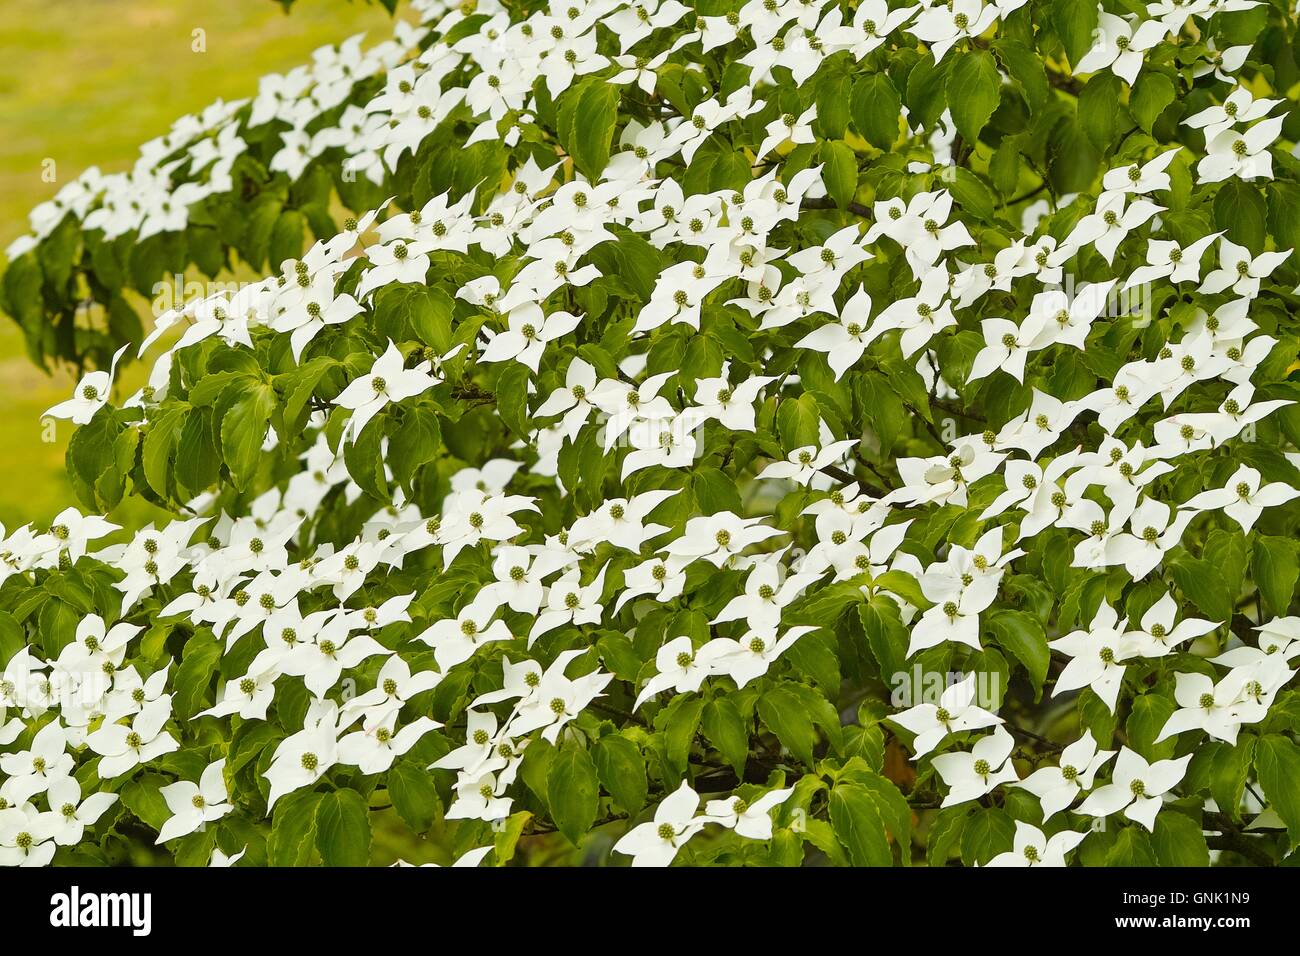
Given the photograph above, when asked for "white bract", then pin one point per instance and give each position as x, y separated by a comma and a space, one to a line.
677, 386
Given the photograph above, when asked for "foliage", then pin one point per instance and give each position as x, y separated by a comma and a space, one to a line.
731, 403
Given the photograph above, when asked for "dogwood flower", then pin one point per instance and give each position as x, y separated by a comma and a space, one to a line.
1239, 271
387, 381
374, 748
304, 757
123, 747
526, 335
1057, 787
91, 394
1242, 155
71, 813
750, 820
1158, 635
1244, 497
1032, 847
970, 775
195, 804
1218, 709
1096, 657
1136, 788
750, 657
955, 712
657, 842
804, 464
1119, 44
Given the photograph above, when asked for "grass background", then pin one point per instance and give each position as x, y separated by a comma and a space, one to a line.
85, 82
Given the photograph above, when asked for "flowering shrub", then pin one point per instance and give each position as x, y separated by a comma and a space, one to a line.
737, 433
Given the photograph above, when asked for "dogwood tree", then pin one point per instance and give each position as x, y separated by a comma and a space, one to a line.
728, 433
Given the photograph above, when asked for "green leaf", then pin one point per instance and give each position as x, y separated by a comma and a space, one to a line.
1099, 109
157, 448
1277, 765
416, 443
512, 398
797, 422
1149, 715
882, 407
1239, 210
143, 797
364, 458
926, 85
1178, 841
973, 92
1284, 214
193, 678
587, 116
1026, 68
507, 838
1229, 772
715, 492
622, 772
414, 796
286, 237
683, 720
876, 109
1132, 847
893, 807
839, 172
572, 792
293, 829
1152, 93
856, 820
1203, 585
1075, 23
197, 461
783, 713
243, 430
944, 834
985, 835
1022, 635
343, 829
725, 728
1275, 567
886, 634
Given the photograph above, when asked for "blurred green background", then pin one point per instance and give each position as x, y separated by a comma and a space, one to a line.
85, 82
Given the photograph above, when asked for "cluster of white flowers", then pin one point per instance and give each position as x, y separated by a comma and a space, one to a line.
246, 576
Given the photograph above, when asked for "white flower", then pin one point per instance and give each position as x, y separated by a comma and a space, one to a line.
750, 820
1032, 847
195, 804
122, 747
72, 813
1158, 634
1118, 45
1136, 788
1096, 657
387, 381
804, 464
1057, 787
955, 712
1218, 709
970, 775
91, 394
1243, 155
1239, 271
656, 842
528, 330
